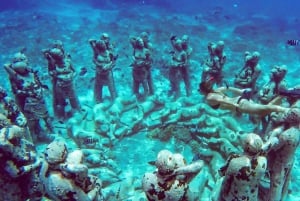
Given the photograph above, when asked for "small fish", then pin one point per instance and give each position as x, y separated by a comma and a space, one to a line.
92, 79
83, 71
152, 163
90, 140
293, 42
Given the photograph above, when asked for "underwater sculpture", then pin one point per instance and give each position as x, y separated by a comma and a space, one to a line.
62, 73
281, 146
19, 165
276, 84
242, 173
201, 126
65, 177
10, 108
28, 91
104, 60
16, 117
147, 44
126, 116
185, 71
94, 147
282, 141
171, 180
178, 68
247, 76
270, 91
213, 66
141, 66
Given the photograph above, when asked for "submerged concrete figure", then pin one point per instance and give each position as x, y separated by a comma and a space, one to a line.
178, 68
105, 61
281, 145
28, 91
12, 111
185, 71
19, 165
171, 180
276, 84
242, 173
147, 44
247, 76
62, 72
213, 66
141, 65
271, 90
65, 177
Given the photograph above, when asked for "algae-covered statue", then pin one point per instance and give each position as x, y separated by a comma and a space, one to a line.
242, 173
141, 65
271, 90
28, 91
62, 73
282, 141
213, 66
104, 60
19, 164
185, 71
147, 44
247, 76
177, 65
276, 84
12, 111
171, 180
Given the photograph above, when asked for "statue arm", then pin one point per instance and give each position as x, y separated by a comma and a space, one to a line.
273, 142
193, 168
15, 171
12, 74
16, 114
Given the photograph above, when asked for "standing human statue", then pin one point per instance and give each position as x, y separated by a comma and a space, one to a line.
282, 141
61, 70
140, 67
185, 71
104, 60
149, 46
178, 61
213, 66
28, 91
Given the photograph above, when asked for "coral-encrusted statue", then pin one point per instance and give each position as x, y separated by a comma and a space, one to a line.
171, 180
65, 177
19, 165
242, 173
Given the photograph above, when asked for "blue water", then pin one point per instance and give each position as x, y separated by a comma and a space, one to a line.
255, 25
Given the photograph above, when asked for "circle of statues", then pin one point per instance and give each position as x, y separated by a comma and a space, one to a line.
229, 163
